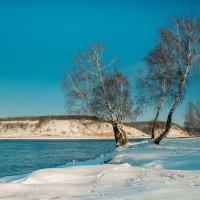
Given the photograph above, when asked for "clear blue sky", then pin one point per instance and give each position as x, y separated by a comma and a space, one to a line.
38, 39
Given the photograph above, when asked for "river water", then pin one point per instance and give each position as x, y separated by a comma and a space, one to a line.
24, 156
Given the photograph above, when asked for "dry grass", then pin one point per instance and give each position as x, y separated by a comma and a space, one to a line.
146, 126
17, 125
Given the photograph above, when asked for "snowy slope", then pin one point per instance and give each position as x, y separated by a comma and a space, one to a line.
137, 171
146, 127
62, 128
71, 128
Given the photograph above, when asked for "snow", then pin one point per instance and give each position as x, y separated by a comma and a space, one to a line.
177, 154
69, 129
137, 171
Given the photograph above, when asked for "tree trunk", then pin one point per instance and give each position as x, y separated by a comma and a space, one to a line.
154, 124
156, 118
167, 128
176, 101
169, 117
160, 105
120, 135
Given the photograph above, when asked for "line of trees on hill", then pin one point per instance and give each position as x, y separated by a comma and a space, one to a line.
95, 86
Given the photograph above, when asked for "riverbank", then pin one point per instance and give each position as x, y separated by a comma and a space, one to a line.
71, 128
136, 171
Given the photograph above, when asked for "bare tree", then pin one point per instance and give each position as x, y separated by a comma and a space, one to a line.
192, 118
92, 88
183, 37
197, 112
154, 84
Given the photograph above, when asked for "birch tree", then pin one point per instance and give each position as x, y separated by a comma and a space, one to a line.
192, 118
155, 83
183, 37
197, 111
93, 87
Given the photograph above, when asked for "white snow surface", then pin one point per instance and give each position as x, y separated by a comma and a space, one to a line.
142, 170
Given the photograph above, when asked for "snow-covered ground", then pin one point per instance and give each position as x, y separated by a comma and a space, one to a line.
136, 171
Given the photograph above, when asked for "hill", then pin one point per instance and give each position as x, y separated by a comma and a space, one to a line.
71, 127
145, 126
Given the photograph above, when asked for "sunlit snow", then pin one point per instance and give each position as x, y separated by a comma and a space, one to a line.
136, 171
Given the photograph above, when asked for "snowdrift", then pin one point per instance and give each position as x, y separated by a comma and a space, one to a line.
136, 171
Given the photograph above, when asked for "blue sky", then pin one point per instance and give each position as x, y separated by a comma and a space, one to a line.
39, 38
